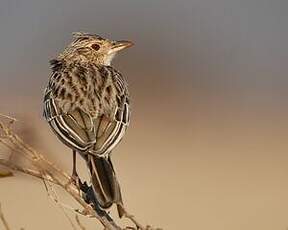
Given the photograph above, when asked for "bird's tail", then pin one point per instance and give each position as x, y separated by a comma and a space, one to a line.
104, 182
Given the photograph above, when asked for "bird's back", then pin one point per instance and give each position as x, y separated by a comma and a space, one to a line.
87, 105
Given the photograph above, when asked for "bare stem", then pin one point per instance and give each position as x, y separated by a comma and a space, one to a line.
2, 218
79, 223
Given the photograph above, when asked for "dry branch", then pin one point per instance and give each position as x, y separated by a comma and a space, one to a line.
42, 168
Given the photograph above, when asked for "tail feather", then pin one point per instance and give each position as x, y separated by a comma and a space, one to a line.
104, 182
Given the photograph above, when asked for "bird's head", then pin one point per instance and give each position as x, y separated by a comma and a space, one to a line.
92, 47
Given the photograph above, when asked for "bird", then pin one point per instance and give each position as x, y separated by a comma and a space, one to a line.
87, 106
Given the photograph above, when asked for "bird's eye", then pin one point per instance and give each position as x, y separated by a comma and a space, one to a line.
95, 46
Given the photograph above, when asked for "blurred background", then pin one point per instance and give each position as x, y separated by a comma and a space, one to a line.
207, 147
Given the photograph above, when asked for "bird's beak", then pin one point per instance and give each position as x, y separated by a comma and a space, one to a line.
120, 45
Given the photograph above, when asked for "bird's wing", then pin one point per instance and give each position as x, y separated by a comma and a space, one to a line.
75, 128
96, 132
111, 129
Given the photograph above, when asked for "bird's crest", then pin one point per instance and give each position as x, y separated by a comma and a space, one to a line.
77, 35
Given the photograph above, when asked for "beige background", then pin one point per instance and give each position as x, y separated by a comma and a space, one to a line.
207, 146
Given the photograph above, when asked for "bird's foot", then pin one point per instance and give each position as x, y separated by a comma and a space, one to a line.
89, 197
75, 180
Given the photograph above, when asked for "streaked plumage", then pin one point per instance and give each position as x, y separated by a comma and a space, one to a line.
86, 104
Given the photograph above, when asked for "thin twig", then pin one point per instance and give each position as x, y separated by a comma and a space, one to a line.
27, 171
2, 218
8, 117
132, 218
79, 223
55, 198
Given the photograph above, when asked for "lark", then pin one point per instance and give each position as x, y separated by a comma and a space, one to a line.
86, 103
